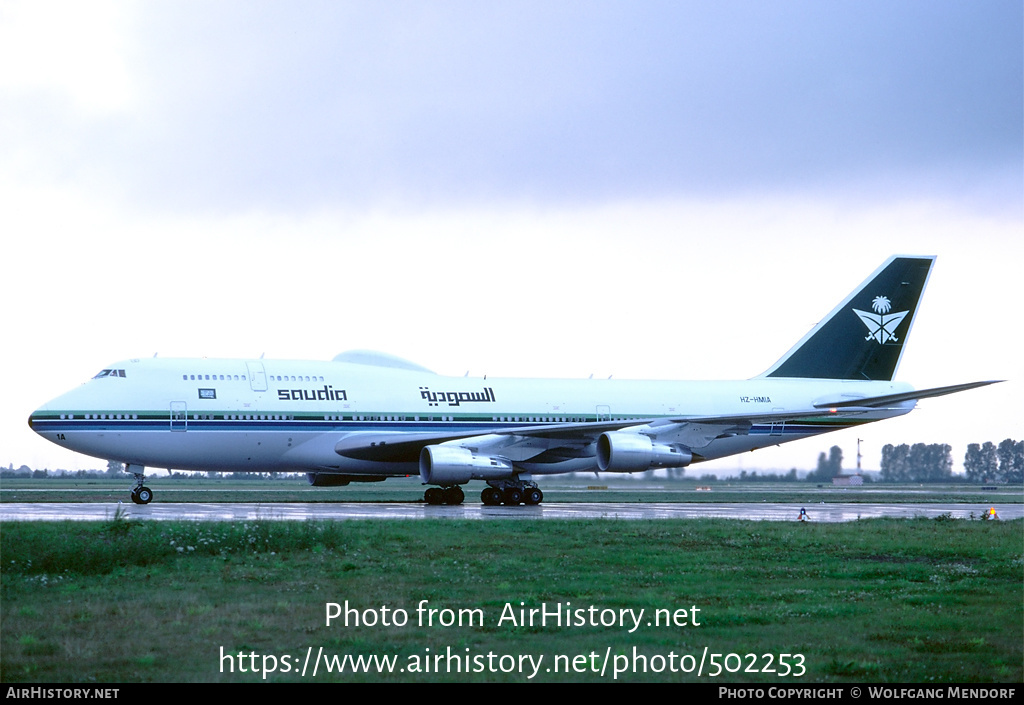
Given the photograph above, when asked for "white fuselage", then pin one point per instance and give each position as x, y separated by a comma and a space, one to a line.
266, 416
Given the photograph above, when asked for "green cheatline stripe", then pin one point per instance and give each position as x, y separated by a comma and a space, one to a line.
388, 417
329, 417
524, 417
362, 416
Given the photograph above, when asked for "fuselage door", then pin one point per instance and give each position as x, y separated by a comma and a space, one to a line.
257, 376
604, 412
179, 416
778, 427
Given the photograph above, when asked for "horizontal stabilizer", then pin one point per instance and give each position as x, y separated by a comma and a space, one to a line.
887, 399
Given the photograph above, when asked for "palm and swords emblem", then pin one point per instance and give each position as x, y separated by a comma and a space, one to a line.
881, 324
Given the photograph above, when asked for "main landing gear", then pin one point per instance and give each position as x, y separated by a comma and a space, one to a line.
511, 493
140, 493
508, 492
444, 495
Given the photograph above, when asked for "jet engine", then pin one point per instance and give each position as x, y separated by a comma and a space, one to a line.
453, 465
618, 451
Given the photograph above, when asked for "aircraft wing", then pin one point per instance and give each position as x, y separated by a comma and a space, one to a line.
396, 447
521, 443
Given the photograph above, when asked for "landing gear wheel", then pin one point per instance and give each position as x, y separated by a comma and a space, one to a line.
434, 495
512, 496
533, 495
491, 496
140, 493
453, 495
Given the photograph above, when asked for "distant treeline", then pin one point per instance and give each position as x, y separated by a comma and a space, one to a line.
116, 470
933, 462
921, 462
745, 476
990, 463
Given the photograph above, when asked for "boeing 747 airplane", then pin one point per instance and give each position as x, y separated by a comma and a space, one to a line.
364, 416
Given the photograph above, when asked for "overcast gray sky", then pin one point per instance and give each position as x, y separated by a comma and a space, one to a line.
516, 188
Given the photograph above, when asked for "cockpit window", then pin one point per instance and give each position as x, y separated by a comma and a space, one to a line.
110, 373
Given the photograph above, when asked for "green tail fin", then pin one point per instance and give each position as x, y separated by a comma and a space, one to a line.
863, 337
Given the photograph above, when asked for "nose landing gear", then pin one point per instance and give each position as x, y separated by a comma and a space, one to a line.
140, 493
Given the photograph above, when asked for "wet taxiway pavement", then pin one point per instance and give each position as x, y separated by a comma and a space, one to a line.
24, 511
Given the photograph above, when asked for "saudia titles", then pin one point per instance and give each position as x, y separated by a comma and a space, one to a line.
328, 393
456, 398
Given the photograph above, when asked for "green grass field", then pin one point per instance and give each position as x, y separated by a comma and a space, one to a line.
916, 601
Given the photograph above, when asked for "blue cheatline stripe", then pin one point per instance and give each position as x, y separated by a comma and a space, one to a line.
283, 425
163, 422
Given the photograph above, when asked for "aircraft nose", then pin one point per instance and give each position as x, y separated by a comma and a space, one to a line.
37, 417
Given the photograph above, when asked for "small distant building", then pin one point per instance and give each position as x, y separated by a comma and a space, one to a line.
848, 480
